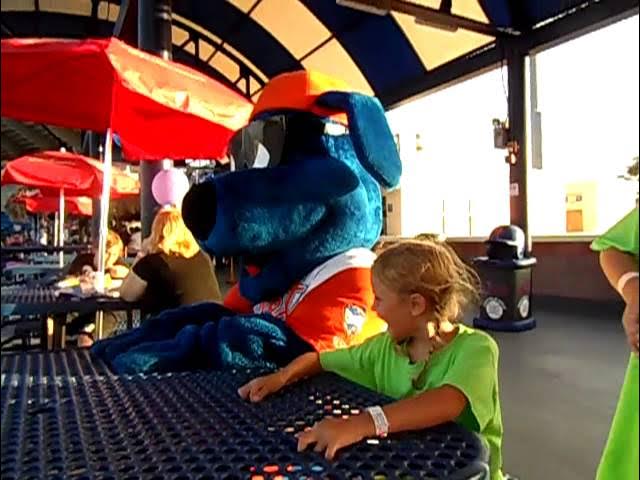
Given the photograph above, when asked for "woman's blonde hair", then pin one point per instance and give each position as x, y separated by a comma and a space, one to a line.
113, 243
433, 270
170, 235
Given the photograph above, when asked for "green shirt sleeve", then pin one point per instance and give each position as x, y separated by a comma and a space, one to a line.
474, 372
354, 363
622, 236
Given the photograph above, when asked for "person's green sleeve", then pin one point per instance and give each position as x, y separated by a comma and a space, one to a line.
475, 373
622, 236
354, 363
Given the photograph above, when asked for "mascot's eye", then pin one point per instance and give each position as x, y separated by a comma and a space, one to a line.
262, 157
335, 129
259, 144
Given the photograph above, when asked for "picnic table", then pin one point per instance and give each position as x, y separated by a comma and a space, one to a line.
44, 301
31, 249
65, 415
23, 272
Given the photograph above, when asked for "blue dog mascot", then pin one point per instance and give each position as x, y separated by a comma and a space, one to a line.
301, 211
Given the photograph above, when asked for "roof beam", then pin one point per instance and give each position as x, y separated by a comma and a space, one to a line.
438, 18
433, 16
580, 21
571, 25
446, 75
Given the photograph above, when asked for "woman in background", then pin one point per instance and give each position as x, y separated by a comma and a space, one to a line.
170, 270
83, 267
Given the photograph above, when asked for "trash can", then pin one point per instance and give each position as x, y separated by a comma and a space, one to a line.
506, 276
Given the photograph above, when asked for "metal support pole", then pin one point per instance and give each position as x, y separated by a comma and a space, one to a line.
517, 126
535, 116
91, 148
61, 226
154, 36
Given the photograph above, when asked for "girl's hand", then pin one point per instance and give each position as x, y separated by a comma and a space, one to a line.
258, 388
630, 320
630, 316
332, 434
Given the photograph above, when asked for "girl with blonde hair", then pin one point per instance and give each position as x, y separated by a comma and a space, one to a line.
437, 369
170, 270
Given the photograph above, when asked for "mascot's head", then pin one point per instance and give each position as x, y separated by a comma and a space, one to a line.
305, 182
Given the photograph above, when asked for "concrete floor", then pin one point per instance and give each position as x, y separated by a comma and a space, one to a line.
559, 388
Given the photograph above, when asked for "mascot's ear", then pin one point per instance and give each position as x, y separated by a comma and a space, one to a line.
369, 131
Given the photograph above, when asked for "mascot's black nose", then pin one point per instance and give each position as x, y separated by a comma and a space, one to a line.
199, 209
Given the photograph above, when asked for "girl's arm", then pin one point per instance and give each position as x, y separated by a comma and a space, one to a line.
427, 409
430, 408
305, 365
615, 264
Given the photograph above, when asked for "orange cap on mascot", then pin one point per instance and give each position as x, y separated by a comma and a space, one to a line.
299, 91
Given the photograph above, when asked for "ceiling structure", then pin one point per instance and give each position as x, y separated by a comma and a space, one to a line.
413, 47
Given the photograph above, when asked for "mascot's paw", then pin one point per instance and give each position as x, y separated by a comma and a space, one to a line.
172, 355
256, 341
109, 348
164, 326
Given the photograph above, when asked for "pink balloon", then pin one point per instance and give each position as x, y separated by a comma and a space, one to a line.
169, 187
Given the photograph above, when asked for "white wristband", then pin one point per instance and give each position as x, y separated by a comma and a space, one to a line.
379, 421
624, 279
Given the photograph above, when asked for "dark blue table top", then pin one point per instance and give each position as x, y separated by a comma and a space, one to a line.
46, 249
64, 416
22, 300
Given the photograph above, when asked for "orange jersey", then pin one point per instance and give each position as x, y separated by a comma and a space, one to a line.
331, 307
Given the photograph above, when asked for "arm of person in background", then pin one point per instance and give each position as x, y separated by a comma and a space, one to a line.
133, 286
118, 271
617, 266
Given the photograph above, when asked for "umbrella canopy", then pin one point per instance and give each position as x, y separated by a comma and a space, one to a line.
38, 203
159, 109
77, 175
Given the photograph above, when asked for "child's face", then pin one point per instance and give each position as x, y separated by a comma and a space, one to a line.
111, 256
403, 313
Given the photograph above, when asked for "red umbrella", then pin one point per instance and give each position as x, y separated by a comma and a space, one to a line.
158, 108
82, 206
77, 175
65, 173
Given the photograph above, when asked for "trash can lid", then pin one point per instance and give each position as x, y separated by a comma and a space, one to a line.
507, 235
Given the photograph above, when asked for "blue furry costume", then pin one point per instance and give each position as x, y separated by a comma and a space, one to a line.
319, 201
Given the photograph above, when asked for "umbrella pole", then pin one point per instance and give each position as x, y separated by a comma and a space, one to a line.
104, 212
61, 227
55, 228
